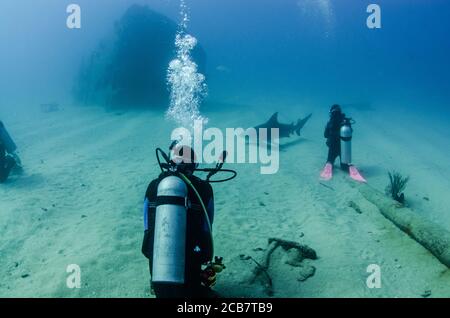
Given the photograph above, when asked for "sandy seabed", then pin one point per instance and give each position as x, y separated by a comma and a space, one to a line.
79, 201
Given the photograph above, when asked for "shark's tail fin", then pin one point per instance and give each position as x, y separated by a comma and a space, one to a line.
301, 123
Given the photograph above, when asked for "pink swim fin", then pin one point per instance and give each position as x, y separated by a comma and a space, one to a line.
327, 172
355, 175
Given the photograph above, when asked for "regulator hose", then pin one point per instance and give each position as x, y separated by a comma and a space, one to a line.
188, 182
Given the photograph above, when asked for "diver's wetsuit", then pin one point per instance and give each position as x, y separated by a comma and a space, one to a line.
198, 242
332, 133
6, 163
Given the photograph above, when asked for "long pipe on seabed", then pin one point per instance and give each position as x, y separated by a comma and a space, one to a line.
430, 235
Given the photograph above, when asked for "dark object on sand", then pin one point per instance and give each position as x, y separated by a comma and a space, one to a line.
426, 294
7, 163
8, 148
305, 250
285, 130
6, 139
130, 68
396, 186
430, 235
263, 269
326, 186
302, 252
50, 107
355, 207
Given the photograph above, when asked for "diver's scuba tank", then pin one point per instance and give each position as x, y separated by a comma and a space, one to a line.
169, 245
346, 134
6, 139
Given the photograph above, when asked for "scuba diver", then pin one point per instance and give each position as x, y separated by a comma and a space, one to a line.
8, 158
338, 133
178, 217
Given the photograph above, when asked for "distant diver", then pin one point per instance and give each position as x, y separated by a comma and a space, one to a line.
285, 130
9, 159
178, 217
338, 133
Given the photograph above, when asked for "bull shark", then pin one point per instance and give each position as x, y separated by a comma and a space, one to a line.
285, 130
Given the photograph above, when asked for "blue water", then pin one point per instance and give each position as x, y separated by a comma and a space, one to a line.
276, 49
271, 47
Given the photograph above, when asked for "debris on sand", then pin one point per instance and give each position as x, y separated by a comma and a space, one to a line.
306, 272
426, 294
296, 253
355, 207
326, 186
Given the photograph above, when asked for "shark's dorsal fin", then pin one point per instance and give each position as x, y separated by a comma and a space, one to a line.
273, 119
